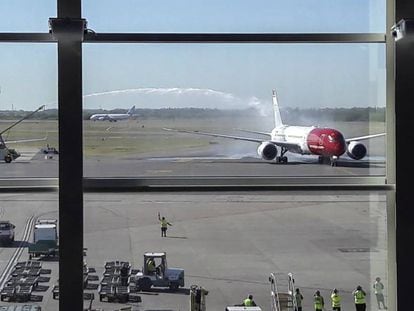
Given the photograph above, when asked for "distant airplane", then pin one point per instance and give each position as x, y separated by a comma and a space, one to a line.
8, 154
113, 117
326, 143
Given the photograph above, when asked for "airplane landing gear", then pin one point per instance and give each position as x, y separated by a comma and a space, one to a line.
282, 158
334, 160
325, 160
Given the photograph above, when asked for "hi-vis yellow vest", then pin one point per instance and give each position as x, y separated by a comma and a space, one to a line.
359, 297
248, 302
164, 223
318, 302
336, 300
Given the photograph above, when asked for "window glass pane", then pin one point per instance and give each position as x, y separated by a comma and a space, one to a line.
226, 89
28, 259
229, 243
235, 16
28, 81
26, 15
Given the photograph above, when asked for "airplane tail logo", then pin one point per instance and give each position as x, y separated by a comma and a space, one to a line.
131, 110
276, 111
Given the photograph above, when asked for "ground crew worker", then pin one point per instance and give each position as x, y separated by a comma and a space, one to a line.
164, 225
336, 300
151, 266
378, 288
359, 298
318, 301
298, 297
249, 302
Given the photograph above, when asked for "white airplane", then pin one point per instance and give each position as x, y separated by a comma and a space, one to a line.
8, 154
113, 117
326, 143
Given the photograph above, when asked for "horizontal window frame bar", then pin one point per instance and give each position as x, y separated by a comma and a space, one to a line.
11, 37
203, 183
233, 38
91, 37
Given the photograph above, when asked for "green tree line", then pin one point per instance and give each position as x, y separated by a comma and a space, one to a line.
289, 115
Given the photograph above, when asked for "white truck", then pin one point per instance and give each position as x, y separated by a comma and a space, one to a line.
6, 232
45, 239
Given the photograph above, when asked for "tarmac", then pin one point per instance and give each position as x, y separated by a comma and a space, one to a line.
35, 164
227, 242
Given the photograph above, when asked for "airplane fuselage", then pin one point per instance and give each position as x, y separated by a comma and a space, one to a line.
109, 117
325, 142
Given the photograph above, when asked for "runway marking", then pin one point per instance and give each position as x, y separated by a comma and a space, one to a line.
183, 160
158, 171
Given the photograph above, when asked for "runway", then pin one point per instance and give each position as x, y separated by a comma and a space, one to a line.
197, 164
227, 242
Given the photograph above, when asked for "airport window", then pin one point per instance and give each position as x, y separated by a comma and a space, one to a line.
28, 111
237, 16
176, 98
230, 242
26, 15
29, 250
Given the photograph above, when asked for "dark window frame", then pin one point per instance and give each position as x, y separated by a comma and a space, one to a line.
71, 184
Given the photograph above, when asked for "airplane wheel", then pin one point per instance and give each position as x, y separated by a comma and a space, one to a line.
7, 159
284, 159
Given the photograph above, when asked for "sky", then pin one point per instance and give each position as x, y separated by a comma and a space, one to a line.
202, 75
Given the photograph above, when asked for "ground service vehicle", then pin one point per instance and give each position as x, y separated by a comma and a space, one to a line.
6, 232
50, 150
8, 154
161, 276
45, 239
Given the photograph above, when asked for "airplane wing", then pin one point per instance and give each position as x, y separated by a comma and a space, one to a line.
215, 135
255, 132
364, 137
284, 144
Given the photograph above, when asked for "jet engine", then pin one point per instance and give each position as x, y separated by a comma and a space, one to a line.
267, 150
356, 150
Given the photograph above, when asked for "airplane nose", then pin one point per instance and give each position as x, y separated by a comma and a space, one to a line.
339, 145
